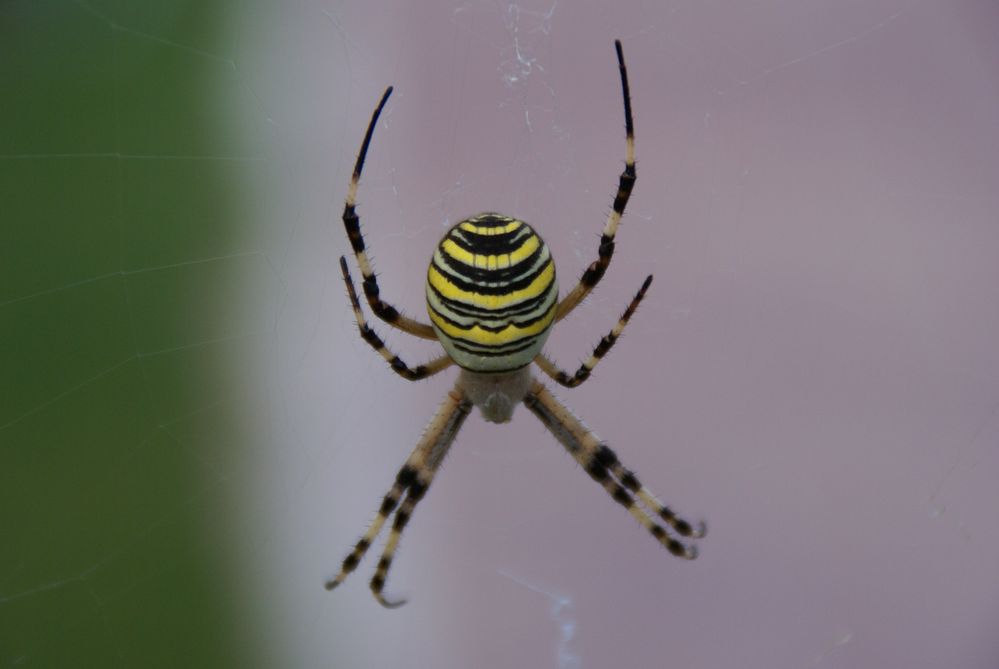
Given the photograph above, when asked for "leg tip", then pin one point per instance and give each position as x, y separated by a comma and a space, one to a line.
389, 603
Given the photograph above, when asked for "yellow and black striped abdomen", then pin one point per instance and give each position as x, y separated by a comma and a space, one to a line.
491, 293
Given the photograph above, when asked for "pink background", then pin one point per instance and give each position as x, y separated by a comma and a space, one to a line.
814, 371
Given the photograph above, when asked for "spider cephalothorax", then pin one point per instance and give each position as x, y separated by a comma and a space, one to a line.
492, 299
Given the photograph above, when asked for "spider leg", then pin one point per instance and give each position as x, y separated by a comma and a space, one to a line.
602, 465
367, 334
412, 480
626, 182
352, 224
583, 373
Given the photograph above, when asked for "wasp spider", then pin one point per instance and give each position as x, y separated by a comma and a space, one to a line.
492, 300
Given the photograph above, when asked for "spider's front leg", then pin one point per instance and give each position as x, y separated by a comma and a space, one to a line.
626, 182
352, 225
413, 480
602, 465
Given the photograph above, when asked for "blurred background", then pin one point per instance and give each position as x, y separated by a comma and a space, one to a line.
192, 435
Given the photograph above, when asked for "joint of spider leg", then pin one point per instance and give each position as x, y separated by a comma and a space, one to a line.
352, 225
388, 504
623, 194
606, 248
401, 519
370, 286
373, 339
605, 345
416, 491
350, 562
622, 497
382, 310
417, 373
629, 481
605, 456
384, 564
406, 476
597, 269
597, 471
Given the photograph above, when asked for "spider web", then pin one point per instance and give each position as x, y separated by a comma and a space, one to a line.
192, 435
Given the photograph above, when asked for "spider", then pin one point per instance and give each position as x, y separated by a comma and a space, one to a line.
492, 300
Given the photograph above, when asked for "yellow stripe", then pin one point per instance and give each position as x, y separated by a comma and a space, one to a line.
491, 262
469, 226
486, 338
540, 284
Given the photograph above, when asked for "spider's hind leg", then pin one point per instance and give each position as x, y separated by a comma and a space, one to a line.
413, 480
602, 465
607, 458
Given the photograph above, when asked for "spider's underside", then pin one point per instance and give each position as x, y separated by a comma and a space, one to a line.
492, 299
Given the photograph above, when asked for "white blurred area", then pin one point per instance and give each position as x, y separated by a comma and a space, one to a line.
813, 372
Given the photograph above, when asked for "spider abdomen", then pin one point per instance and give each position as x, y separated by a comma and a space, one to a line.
491, 293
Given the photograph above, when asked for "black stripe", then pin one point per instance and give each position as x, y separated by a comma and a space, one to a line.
622, 497
605, 456
456, 307
625, 184
490, 220
387, 505
504, 289
353, 227
682, 527
493, 328
629, 481
498, 275
479, 314
495, 352
401, 518
406, 476
491, 244
472, 311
